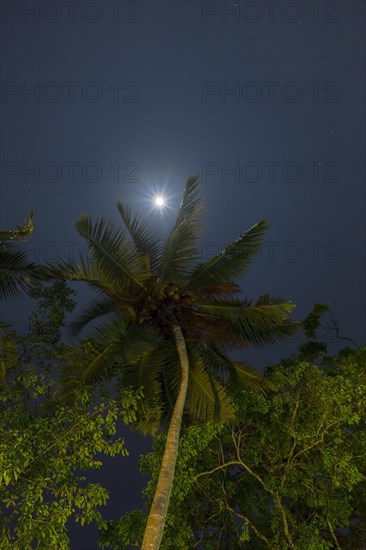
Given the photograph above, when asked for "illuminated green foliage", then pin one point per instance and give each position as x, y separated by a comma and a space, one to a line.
288, 473
47, 446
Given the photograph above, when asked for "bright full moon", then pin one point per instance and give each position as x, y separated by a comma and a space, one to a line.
159, 201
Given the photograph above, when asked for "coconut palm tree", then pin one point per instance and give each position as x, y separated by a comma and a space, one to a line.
16, 272
168, 322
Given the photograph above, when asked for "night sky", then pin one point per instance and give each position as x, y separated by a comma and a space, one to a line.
110, 100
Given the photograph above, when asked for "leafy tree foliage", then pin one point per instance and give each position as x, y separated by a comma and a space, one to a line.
47, 446
288, 473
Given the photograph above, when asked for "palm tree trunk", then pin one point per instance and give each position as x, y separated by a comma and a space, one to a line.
156, 520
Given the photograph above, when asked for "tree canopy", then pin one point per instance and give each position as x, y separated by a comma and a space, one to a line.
47, 446
289, 472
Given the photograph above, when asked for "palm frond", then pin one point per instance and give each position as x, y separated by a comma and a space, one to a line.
265, 322
248, 378
80, 269
16, 273
111, 251
146, 243
97, 369
178, 253
216, 290
274, 306
94, 311
112, 332
207, 398
146, 373
150, 367
180, 248
232, 262
229, 370
191, 206
93, 363
158, 373
78, 373
131, 345
140, 374
139, 341
21, 233
120, 293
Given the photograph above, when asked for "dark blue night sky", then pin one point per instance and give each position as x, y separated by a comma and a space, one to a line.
112, 100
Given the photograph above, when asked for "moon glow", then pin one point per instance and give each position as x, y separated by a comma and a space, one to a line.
159, 201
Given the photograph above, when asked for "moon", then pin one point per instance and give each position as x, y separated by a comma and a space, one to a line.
159, 201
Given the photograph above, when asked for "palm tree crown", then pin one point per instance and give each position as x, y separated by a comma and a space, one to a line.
151, 286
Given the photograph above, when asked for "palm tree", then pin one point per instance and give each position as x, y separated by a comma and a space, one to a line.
16, 272
171, 322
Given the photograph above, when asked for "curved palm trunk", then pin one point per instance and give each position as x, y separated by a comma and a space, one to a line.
156, 520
